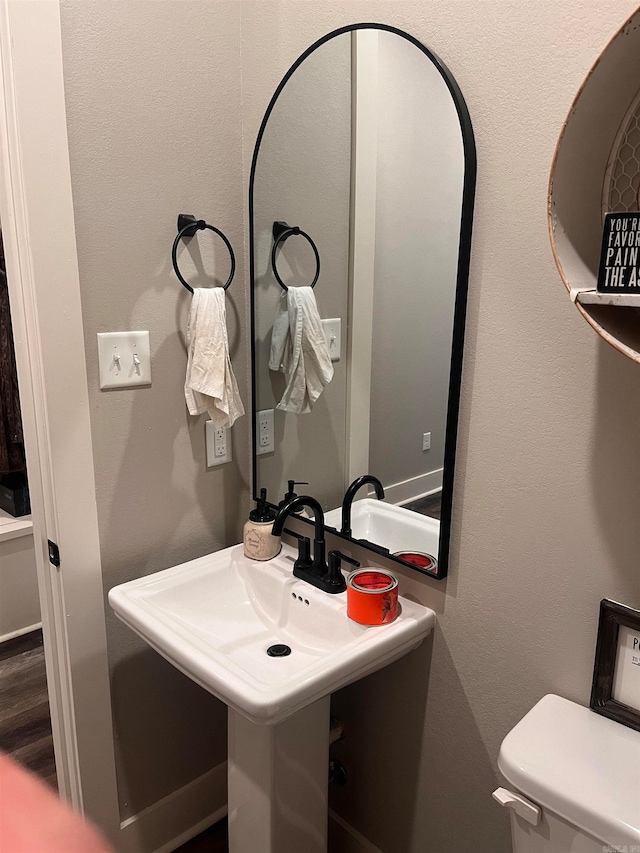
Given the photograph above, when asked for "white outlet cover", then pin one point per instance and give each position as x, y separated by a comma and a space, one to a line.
218, 444
123, 372
264, 432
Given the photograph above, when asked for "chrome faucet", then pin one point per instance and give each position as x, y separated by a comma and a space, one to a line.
350, 495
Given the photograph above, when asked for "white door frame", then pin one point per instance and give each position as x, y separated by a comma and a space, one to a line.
36, 210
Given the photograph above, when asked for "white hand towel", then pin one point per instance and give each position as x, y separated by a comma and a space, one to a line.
210, 385
299, 349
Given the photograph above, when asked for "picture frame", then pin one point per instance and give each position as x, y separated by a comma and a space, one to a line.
619, 270
615, 690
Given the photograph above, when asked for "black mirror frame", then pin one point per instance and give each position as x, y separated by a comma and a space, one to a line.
462, 282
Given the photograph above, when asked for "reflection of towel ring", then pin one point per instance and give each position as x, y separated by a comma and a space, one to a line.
187, 227
282, 231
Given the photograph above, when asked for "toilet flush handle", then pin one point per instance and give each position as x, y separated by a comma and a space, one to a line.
523, 808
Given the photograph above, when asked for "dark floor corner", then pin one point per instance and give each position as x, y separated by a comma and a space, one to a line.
214, 840
429, 505
25, 724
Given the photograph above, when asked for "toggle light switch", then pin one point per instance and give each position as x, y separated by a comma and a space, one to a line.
124, 359
332, 332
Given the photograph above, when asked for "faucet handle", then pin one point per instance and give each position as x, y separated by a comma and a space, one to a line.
304, 560
334, 576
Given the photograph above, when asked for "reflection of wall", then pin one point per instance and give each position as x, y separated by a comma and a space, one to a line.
153, 97
19, 601
302, 178
419, 190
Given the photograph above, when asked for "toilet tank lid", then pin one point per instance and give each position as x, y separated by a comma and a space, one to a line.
583, 767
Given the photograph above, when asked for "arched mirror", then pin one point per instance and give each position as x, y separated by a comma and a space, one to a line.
367, 150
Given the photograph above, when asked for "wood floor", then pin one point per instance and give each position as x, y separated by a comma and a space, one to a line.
25, 725
431, 505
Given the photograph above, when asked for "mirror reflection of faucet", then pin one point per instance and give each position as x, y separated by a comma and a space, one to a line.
349, 495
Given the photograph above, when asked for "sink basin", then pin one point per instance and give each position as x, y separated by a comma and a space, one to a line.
393, 527
215, 617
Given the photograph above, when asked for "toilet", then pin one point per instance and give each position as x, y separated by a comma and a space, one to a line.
574, 781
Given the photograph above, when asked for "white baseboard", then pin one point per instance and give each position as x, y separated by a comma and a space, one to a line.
11, 635
183, 814
414, 488
352, 841
177, 817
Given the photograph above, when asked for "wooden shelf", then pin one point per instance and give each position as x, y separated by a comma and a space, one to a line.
589, 178
624, 300
12, 528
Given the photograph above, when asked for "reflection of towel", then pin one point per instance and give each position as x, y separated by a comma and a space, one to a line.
210, 384
299, 349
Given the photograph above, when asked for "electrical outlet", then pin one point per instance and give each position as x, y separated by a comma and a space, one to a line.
332, 332
218, 445
426, 441
264, 432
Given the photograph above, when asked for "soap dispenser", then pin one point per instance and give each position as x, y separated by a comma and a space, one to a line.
290, 494
259, 544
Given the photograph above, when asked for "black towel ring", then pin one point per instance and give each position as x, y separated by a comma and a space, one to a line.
281, 232
187, 227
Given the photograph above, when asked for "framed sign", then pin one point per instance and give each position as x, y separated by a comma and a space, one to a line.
620, 256
615, 691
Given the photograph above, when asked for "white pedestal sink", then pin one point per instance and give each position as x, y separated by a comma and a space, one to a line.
214, 619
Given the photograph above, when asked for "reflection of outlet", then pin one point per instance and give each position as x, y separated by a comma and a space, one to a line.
264, 431
218, 445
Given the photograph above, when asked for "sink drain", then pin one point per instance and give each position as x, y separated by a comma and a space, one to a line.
279, 650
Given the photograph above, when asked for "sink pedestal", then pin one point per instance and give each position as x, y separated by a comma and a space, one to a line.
214, 619
278, 780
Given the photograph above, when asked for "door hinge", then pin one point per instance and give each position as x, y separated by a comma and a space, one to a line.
54, 553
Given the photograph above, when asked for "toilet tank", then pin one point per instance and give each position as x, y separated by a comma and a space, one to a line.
574, 781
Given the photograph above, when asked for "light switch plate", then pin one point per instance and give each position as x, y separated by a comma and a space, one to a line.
332, 331
124, 359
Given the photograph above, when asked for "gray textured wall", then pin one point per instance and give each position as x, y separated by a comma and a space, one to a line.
547, 487
153, 100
